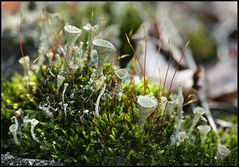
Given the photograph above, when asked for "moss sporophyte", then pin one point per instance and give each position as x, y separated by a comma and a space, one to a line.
86, 116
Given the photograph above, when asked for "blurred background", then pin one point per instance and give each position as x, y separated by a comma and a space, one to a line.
200, 37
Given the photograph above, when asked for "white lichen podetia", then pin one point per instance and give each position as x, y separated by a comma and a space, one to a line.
50, 57
181, 137
175, 104
103, 48
163, 102
146, 106
72, 33
58, 60
63, 93
26, 120
34, 122
75, 62
203, 130
177, 126
13, 130
98, 101
222, 152
25, 62
122, 74
92, 31
65, 106
198, 112
60, 80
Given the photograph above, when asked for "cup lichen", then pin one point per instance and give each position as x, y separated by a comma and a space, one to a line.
203, 130
104, 48
147, 105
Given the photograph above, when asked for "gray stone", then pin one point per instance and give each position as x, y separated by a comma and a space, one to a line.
10, 160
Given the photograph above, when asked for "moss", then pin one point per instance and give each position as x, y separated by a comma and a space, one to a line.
114, 138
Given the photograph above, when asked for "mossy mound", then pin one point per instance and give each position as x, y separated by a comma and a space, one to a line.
70, 132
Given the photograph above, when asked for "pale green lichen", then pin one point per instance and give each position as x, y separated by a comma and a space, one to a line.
203, 130
72, 33
60, 80
198, 112
25, 62
181, 137
99, 129
65, 106
63, 93
121, 73
98, 101
13, 129
104, 48
34, 122
222, 152
146, 106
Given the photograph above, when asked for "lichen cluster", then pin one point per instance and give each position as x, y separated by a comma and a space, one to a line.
76, 108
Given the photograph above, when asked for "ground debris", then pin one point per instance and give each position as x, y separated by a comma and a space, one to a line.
10, 160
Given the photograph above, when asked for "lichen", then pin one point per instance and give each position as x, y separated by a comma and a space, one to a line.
72, 131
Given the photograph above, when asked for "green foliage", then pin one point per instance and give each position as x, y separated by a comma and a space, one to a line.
203, 46
113, 138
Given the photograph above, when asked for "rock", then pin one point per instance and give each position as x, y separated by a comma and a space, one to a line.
10, 160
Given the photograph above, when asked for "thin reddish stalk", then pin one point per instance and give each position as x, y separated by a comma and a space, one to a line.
170, 57
175, 73
145, 53
92, 35
20, 41
159, 83
159, 92
136, 56
56, 43
21, 49
131, 79
178, 65
133, 70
